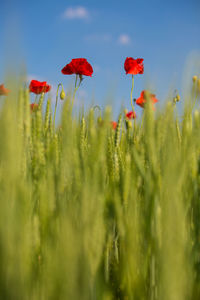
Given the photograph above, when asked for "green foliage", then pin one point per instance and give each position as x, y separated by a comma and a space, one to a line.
89, 212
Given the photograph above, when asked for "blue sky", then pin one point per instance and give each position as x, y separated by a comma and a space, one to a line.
46, 35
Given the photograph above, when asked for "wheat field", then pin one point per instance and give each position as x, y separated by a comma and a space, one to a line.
92, 212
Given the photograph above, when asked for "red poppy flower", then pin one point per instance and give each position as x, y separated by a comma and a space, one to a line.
3, 90
143, 98
78, 66
131, 115
38, 87
33, 107
134, 66
113, 124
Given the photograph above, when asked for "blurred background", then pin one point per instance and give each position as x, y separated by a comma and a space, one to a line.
41, 37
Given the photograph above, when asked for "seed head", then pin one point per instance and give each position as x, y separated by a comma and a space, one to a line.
62, 95
194, 78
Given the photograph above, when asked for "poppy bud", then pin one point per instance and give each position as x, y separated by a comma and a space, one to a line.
62, 95
194, 78
125, 111
178, 98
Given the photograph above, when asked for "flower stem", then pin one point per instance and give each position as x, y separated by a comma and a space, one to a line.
133, 109
75, 88
54, 118
177, 125
76, 81
132, 94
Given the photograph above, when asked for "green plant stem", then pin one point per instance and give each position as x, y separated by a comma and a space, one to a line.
177, 125
133, 109
75, 89
132, 94
54, 118
195, 99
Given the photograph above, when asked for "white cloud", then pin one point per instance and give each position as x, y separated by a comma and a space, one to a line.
124, 39
78, 12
